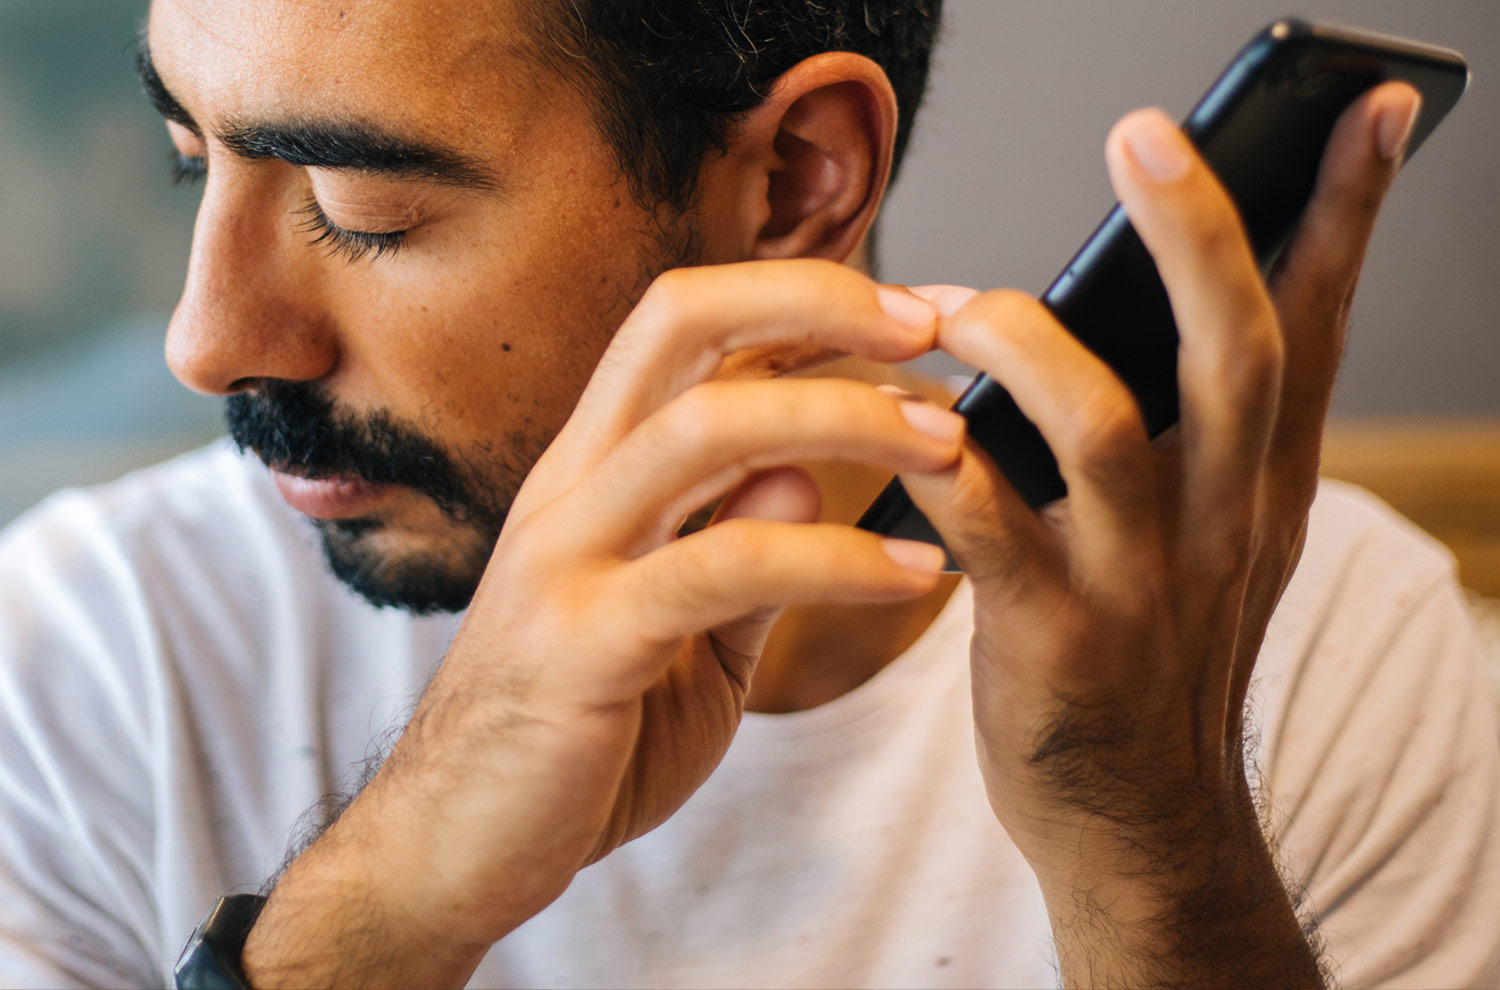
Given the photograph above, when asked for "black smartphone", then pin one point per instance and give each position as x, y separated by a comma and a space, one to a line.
1262, 127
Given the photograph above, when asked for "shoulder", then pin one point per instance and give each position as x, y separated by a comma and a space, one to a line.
190, 592
1363, 569
211, 493
104, 594
1379, 749
1368, 608
1359, 546
203, 511
103, 582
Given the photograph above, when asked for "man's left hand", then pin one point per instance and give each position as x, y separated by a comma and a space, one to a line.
1116, 631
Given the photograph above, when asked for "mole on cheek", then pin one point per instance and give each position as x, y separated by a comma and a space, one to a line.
505, 347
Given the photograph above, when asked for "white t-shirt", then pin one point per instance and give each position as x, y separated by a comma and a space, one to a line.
181, 679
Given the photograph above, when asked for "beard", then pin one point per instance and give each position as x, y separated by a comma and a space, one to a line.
297, 428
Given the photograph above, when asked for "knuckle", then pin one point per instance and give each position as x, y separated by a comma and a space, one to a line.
682, 590
1000, 310
523, 546
973, 494
1267, 360
538, 544
1106, 431
823, 279
835, 278
1254, 368
668, 294
738, 549
993, 556
1008, 318
690, 419
1357, 197
1216, 229
830, 274
1233, 546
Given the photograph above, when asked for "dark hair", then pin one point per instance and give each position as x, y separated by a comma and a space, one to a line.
669, 77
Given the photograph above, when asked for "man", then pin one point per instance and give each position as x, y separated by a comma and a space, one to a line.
506, 294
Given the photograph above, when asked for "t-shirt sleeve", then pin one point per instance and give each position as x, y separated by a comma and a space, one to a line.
1385, 782
75, 795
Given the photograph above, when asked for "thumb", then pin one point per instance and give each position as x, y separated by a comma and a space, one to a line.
782, 494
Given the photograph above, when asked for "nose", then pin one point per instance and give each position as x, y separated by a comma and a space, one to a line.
249, 310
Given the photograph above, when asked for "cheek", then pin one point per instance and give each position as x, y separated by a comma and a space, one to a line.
488, 336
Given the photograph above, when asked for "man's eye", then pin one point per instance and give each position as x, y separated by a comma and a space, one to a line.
352, 244
188, 170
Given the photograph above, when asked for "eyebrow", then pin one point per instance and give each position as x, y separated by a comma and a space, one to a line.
156, 91
332, 144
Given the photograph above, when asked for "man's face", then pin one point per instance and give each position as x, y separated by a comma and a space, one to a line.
412, 249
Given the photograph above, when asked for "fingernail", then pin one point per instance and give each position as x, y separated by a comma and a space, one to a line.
905, 308
946, 299
914, 556
1394, 130
1158, 146
935, 421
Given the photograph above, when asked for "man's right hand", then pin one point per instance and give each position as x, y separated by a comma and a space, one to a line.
601, 670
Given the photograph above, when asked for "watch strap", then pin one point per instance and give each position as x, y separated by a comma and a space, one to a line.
211, 960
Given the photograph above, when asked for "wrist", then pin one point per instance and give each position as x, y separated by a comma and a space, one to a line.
340, 916
1203, 904
1151, 860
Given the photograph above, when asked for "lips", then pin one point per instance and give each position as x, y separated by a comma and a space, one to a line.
330, 498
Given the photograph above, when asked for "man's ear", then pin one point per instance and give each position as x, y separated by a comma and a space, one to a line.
808, 166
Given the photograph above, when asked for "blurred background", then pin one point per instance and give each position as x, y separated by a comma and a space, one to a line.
1005, 180
93, 247
1007, 176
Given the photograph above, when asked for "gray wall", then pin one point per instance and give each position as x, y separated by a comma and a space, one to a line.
1005, 180
93, 246
1007, 176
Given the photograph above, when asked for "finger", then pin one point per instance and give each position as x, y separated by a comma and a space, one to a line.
783, 494
745, 566
1230, 351
946, 299
691, 319
713, 437
1084, 412
994, 536
786, 493
1314, 280
1313, 288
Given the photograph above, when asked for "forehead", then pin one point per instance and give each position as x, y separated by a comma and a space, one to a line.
464, 65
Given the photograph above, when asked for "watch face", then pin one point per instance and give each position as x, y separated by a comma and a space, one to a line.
211, 960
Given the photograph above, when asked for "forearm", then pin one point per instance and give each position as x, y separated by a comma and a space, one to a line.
1205, 907
336, 918
403, 889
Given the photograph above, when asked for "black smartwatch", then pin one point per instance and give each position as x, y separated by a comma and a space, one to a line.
211, 960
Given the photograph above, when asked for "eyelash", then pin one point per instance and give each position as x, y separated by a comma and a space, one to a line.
188, 171
354, 245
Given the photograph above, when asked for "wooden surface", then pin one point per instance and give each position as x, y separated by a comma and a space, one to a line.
1442, 474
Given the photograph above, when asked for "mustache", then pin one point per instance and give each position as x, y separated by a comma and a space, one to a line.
296, 428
